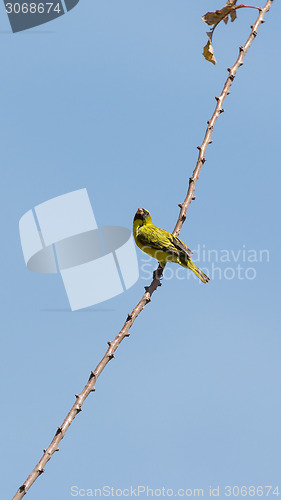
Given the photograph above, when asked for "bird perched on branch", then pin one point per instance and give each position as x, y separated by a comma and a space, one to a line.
162, 245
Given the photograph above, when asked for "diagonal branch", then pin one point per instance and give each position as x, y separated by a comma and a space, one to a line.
218, 110
146, 298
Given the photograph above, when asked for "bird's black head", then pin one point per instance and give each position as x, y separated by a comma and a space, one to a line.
142, 215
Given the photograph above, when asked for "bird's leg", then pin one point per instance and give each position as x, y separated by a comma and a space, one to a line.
158, 273
157, 276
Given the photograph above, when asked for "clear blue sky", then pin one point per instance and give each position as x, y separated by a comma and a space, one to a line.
114, 97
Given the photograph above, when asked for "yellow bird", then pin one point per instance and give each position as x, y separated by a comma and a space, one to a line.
162, 245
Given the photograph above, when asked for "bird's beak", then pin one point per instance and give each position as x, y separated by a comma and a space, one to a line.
140, 211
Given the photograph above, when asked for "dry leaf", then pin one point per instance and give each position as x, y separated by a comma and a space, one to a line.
233, 15
216, 17
208, 51
213, 19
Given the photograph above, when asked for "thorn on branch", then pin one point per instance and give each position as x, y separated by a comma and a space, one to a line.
109, 343
77, 396
183, 217
191, 180
199, 147
180, 205
193, 198
44, 450
129, 317
149, 299
91, 375
40, 471
57, 449
217, 98
59, 431
210, 142
254, 33
221, 110
262, 21
78, 409
111, 356
241, 48
203, 160
93, 390
22, 488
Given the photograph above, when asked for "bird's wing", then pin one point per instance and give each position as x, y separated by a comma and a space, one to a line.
156, 238
159, 239
181, 246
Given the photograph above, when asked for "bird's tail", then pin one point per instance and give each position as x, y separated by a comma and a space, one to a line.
202, 276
